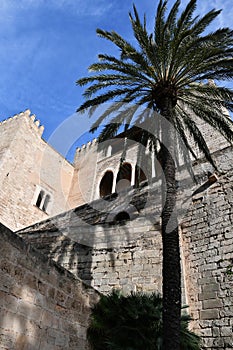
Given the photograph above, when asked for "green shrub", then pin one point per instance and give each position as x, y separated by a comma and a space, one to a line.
133, 322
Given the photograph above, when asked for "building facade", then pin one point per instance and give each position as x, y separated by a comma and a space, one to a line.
101, 221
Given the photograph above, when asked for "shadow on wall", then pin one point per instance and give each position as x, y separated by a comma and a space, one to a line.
88, 240
90, 226
97, 243
41, 304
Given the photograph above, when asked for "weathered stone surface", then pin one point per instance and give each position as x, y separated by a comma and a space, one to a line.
129, 256
86, 241
36, 312
28, 164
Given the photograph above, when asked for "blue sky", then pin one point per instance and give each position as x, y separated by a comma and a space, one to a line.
46, 45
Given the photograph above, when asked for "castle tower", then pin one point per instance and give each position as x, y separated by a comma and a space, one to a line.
34, 180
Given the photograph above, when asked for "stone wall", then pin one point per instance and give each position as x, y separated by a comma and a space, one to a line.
115, 257
107, 254
93, 160
84, 175
42, 305
207, 244
128, 255
28, 164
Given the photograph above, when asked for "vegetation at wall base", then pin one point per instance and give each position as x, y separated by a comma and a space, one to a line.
133, 322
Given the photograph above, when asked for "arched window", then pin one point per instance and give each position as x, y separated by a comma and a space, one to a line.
139, 176
106, 184
109, 151
122, 216
124, 177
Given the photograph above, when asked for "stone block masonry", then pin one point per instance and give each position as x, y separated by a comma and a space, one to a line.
125, 262
42, 305
28, 164
207, 244
128, 256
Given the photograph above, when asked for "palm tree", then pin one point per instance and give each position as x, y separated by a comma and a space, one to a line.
167, 72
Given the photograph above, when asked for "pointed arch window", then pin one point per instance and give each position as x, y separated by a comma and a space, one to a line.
124, 177
106, 184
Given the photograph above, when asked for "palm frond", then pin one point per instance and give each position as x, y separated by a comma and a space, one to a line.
133, 322
201, 24
96, 101
197, 136
178, 55
185, 17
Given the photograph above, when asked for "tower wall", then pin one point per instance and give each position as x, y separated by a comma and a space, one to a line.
83, 182
29, 165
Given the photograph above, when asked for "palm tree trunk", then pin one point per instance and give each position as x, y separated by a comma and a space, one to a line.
170, 239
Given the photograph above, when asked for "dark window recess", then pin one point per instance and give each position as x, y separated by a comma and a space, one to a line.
39, 199
106, 184
124, 177
43, 200
122, 217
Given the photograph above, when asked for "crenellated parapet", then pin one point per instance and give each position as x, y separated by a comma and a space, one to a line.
87, 147
31, 118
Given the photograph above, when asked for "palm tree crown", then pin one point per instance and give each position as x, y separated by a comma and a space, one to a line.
169, 64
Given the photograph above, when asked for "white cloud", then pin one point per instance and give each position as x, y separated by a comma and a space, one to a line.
78, 7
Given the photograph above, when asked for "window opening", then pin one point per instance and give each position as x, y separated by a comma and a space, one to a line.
39, 199
139, 176
124, 177
106, 184
122, 216
109, 151
46, 202
43, 200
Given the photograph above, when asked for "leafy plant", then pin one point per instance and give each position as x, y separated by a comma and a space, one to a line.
133, 322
